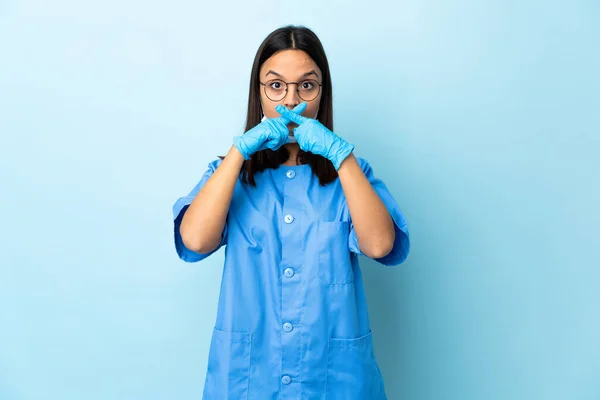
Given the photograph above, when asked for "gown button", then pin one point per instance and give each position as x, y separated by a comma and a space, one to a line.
288, 272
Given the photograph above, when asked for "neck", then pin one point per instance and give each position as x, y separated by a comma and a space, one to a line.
293, 149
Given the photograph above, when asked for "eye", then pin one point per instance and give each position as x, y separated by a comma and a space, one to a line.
276, 85
307, 85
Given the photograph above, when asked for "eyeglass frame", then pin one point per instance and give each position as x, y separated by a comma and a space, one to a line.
286, 88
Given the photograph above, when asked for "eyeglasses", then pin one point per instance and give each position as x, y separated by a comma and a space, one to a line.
276, 89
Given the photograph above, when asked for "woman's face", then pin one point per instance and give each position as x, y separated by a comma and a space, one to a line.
290, 66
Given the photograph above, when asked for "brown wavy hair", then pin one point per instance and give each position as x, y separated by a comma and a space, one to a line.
300, 38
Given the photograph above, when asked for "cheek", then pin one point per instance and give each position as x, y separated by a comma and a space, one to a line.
268, 111
271, 113
268, 108
311, 111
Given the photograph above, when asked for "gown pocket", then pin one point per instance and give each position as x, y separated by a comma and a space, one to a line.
228, 366
352, 371
335, 265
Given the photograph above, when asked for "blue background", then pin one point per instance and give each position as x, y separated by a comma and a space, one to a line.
482, 118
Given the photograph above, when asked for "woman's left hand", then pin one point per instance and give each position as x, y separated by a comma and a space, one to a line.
314, 137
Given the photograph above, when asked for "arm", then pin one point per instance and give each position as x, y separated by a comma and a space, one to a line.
202, 227
372, 221
379, 228
204, 220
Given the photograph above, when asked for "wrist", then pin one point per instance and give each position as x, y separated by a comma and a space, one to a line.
341, 154
240, 146
235, 154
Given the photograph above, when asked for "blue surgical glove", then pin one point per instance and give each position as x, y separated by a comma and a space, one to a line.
272, 133
314, 137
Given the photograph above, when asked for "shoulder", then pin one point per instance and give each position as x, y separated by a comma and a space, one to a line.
214, 164
361, 160
363, 163
208, 172
211, 167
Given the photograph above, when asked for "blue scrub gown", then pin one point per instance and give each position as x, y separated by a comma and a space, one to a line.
292, 319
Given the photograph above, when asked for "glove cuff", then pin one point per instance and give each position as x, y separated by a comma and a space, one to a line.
342, 154
241, 146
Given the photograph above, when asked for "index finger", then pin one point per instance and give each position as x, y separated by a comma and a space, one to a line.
291, 115
299, 109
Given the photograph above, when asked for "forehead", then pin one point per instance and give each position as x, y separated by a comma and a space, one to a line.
289, 63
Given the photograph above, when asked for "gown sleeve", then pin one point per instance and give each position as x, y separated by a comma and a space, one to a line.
179, 209
402, 243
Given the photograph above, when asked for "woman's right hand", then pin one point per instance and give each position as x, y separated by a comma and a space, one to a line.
272, 133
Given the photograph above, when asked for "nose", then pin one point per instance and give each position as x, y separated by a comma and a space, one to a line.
291, 98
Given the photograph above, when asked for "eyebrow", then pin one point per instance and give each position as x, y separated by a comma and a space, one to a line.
311, 72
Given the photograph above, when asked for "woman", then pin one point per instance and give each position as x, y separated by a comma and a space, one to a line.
295, 208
